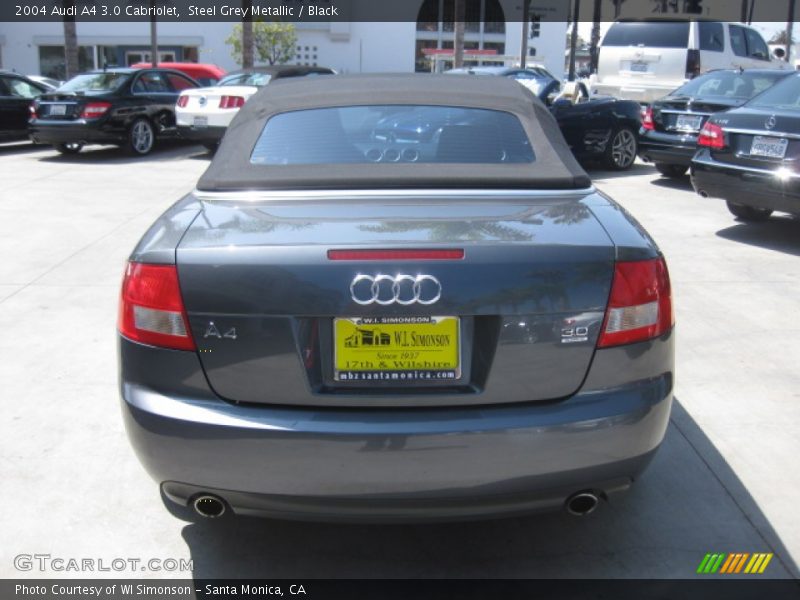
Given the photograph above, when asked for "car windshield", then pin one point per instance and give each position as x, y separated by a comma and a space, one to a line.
729, 84
785, 94
392, 134
661, 34
535, 82
94, 82
254, 79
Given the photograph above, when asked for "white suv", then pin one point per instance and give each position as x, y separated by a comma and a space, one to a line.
645, 60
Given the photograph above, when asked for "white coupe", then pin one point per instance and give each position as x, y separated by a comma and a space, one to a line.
203, 114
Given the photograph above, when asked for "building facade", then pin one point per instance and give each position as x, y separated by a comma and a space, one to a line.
348, 47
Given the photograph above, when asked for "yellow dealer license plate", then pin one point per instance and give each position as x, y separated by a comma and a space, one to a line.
396, 349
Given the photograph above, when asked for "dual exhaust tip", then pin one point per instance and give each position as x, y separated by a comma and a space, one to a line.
579, 504
208, 506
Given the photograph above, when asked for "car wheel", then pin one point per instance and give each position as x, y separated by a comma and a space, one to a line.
72, 148
621, 149
141, 137
748, 213
669, 170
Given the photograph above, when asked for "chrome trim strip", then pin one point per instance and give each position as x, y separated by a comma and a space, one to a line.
772, 172
763, 132
255, 196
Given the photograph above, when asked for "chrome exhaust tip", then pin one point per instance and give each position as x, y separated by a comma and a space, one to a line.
208, 506
581, 503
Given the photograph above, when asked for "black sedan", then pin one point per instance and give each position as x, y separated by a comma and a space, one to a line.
16, 94
668, 136
595, 127
131, 108
749, 156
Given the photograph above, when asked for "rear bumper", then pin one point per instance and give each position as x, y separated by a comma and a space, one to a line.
203, 135
758, 188
401, 464
643, 92
68, 132
667, 148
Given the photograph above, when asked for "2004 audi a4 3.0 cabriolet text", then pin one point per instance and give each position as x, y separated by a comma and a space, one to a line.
338, 326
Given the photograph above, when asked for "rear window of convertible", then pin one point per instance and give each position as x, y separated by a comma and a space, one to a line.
392, 134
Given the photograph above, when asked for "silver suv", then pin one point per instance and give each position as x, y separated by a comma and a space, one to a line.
645, 60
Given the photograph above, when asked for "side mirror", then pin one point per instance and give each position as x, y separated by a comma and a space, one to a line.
779, 53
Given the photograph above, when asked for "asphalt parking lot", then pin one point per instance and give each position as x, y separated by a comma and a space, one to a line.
725, 480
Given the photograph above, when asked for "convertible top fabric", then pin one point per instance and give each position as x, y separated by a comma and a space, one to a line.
554, 167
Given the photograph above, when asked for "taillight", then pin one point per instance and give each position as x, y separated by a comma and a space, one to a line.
32, 112
183, 100
711, 136
640, 305
95, 109
231, 102
151, 308
692, 64
647, 119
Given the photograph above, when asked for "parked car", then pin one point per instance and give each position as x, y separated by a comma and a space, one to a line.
48, 82
469, 330
204, 114
595, 127
132, 108
536, 78
645, 60
203, 73
670, 125
16, 95
748, 156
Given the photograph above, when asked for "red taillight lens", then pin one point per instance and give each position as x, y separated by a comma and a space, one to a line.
231, 102
183, 100
711, 136
647, 119
640, 306
95, 109
151, 308
32, 111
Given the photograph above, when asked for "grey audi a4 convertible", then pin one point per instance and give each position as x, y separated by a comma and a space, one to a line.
338, 325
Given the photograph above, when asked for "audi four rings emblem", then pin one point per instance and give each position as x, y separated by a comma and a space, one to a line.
400, 289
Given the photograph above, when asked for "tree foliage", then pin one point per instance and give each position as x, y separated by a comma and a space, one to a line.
273, 42
780, 37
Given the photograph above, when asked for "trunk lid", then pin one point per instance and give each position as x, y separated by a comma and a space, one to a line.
528, 296
64, 106
686, 114
761, 139
209, 98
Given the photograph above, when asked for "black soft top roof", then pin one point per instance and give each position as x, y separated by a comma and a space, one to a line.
554, 167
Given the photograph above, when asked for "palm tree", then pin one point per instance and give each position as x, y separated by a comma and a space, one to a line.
458, 33
153, 38
595, 39
71, 64
247, 35
573, 43
789, 26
